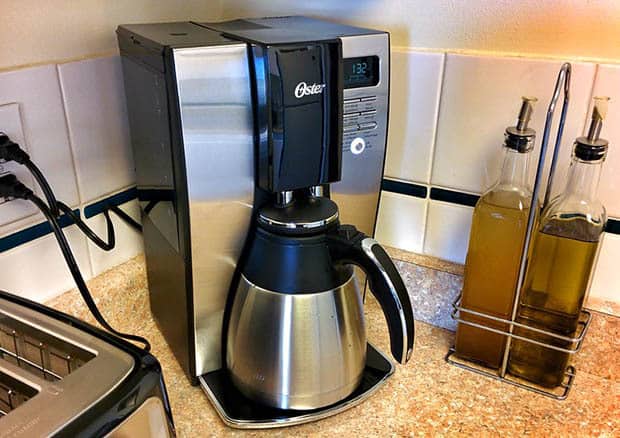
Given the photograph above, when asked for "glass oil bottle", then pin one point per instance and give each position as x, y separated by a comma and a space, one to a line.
563, 254
495, 246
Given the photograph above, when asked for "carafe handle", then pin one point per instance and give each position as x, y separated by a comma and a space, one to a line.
348, 245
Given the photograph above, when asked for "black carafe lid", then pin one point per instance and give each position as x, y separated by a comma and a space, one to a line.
308, 215
289, 252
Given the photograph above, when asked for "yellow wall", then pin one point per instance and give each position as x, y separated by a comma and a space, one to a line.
548, 28
42, 31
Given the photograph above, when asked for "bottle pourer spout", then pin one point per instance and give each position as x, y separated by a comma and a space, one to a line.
592, 147
525, 114
521, 137
598, 115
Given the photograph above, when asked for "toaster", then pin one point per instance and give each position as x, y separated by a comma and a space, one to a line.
62, 377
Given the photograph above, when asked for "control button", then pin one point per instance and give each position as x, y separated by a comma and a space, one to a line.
368, 99
368, 113
349, 128
358, 145
351, 101
369, 125
350, 115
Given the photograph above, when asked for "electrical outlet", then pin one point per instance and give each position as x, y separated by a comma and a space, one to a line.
2, 198
14, 214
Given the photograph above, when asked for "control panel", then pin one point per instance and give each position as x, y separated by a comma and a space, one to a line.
360, 124
366, 70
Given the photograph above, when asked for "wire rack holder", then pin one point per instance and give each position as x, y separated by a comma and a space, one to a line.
562, 87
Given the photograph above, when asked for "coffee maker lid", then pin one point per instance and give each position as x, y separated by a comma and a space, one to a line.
301, 216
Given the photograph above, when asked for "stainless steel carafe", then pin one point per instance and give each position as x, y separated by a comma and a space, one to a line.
296, 337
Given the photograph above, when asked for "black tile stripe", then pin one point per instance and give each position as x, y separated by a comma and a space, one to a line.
454, 197
459, 198
114, 200
29, 234
404, 188
438, 194
613, 226
39, 230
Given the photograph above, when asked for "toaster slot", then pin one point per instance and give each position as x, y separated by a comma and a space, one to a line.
13, 393
52, 370
39, 352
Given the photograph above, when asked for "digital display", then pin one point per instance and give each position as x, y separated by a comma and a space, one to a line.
361, 72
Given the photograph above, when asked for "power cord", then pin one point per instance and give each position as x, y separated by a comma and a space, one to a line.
88, 232
11, 151
11, 187
124, 216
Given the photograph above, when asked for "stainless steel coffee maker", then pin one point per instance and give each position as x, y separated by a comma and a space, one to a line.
253, 141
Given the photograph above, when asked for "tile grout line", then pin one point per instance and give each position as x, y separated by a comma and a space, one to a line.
427, 207
481, 53
427, 201
74, 165
594, 81
591, 96
56, 62
439, 100
70, 137
126, 192
110, 194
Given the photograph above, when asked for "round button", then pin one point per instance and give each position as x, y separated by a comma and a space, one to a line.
358, 145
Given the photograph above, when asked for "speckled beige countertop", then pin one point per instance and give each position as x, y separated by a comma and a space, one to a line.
425, 397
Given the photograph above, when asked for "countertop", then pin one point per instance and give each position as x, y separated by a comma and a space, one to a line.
427, 396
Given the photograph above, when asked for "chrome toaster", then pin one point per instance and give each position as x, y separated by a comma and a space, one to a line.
62, 377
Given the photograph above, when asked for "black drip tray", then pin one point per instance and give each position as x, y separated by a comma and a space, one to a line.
239, 411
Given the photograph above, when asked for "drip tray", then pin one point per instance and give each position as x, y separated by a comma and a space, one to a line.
238, 411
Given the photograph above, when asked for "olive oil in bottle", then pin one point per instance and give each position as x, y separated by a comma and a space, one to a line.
495, 245
563, 254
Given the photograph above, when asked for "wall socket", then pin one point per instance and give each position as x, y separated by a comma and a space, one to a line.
2, 173
14, 213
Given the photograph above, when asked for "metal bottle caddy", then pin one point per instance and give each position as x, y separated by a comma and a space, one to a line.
575, 343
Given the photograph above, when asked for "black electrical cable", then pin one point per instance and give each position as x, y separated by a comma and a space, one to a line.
111, 243
77, 275
124, 216
45, 187
10, 186
11, 151
57, 206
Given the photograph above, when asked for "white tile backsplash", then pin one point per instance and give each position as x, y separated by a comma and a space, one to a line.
37, 270
605, 286
414, 102
481, 96
401, 221
94, 101
128, 240
447, 118
608, 84
447, 231
93, 98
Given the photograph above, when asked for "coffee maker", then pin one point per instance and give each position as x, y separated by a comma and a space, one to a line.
253, 141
